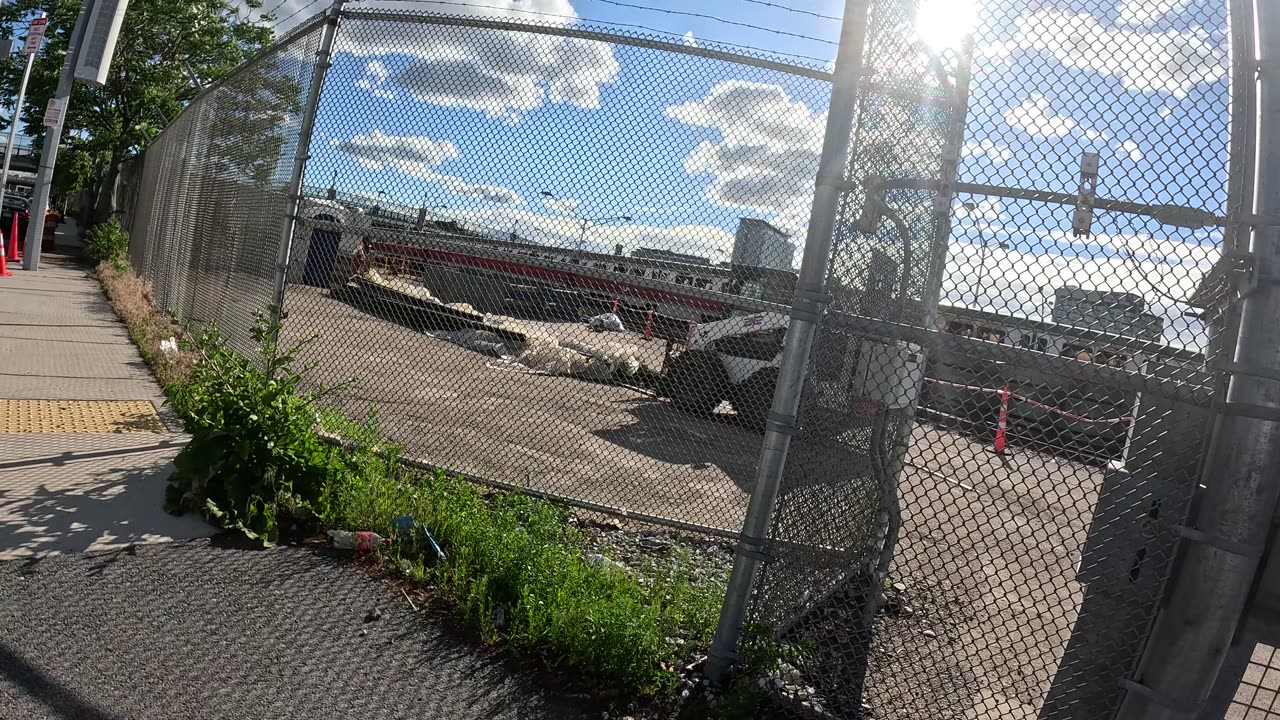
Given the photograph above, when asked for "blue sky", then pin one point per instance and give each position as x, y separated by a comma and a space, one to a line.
483, 121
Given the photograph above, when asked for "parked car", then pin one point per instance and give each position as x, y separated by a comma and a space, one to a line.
15, 204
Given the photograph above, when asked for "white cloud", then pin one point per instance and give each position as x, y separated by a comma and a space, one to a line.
1095, 135
707, 241
417, 156
561, 206
407, 153
1168, 61
1035, 117
1160, 270
766, 156
689, 39
1131, 147
375, 80
501, 74
1147, 12
992, 150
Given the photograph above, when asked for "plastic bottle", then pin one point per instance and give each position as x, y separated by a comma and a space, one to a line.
363, 541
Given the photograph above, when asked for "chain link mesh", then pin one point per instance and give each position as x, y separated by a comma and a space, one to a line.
211, 193
1005, 410
1003, 554
570, 327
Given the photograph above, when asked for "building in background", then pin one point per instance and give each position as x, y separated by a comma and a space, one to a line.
759, 244
1118, 313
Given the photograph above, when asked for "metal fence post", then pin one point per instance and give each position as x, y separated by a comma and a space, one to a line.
809, 301
301, 154
1221, 553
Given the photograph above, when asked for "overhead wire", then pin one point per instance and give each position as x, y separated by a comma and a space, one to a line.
799, 11
717, 18
611, 23
294, 14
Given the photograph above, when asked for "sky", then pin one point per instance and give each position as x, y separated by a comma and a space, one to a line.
477, 124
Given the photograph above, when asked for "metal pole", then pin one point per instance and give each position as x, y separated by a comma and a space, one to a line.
301, 155
805, 314
1207, 596
17, 117
52, 138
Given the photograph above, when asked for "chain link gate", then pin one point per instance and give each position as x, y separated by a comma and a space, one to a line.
1004, 554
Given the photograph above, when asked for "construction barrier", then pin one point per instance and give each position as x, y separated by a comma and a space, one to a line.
1006, 397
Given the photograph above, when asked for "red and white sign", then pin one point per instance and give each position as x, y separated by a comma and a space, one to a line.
53, 113
35, 35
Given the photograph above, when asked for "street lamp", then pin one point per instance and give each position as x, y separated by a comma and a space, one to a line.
983, 244
585, 222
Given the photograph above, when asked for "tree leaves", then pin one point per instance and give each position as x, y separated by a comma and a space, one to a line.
162, 44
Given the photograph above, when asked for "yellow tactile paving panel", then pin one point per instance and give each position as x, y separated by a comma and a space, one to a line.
79, 416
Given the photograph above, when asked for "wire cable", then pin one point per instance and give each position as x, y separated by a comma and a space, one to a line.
272, 11
307, 6
614, 24
716, 18
799, 11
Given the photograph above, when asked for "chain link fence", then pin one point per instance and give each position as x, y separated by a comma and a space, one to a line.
562, 260
207, 202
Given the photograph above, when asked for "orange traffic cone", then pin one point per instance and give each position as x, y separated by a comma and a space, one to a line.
4, 267
1002, 423
13, 240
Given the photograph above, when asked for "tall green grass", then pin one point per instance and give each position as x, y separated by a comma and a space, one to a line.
518, 570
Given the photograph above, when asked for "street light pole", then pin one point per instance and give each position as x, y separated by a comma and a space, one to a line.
52, 138
17, 117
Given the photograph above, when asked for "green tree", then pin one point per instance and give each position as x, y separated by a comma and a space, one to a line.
164, 48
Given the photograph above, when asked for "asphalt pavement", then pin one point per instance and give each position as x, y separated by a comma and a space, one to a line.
210, 628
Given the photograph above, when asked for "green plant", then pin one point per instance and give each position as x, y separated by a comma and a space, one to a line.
254, 449
108, 242
521, 574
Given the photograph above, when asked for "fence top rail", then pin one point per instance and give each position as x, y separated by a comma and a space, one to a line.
703, 49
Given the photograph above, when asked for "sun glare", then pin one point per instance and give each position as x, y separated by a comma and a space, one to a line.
943, 24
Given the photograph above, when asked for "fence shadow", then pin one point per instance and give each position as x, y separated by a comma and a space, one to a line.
117, 506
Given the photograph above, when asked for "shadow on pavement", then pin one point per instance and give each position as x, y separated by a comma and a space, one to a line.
73, 508
58, 698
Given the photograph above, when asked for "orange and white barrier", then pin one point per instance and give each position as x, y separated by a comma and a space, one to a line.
1002, 421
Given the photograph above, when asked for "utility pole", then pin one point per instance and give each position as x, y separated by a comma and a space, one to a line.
1223, 546
806, 312
301, 154
17, 109
52, 138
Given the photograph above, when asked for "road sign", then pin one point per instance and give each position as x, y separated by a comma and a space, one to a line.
53, 113
35, 35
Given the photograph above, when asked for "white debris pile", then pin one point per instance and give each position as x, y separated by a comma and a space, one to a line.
404, 287
589, 357
481, 341
579, 357
606, 322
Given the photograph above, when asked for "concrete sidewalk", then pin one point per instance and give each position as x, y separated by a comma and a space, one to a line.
85, 445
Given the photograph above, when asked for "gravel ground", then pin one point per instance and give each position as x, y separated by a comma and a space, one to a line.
211, 629
987, 551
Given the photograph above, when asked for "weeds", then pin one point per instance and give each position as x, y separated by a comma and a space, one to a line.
254, 450
132, 300
108, 242
517, 567
517, 570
